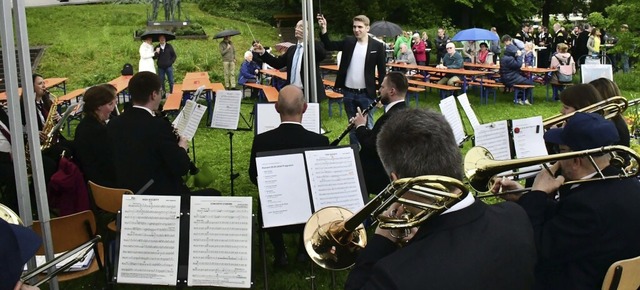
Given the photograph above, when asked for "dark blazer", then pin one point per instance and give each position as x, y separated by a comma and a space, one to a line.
144, 148
286, 60
375, 177
478, 247
286, 136
376, 57
166, 57
93, 152
579, 237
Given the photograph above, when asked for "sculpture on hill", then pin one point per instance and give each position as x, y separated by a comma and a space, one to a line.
171, 7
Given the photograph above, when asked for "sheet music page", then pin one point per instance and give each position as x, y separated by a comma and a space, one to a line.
220, 241
226, 112
311, 118
528, 139
449, 109
284, 194
193, 122
495, 137
268, 118
468, 110
149, 239
184, 116
333, 176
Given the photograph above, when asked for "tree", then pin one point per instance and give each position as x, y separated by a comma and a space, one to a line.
625, 12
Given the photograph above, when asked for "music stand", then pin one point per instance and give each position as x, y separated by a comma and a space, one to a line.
226, 115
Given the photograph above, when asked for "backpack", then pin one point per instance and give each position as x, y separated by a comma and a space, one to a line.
565, 71
127, 70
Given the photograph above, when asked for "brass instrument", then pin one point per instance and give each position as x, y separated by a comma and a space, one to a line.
480, 167
351, 124
333, 235
50, 124
78, 253
634, 102
608, 108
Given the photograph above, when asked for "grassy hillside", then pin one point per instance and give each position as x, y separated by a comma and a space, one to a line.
90, 43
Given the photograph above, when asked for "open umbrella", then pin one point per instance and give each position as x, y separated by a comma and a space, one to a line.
475, 34
385, 28
155, 35
228, 32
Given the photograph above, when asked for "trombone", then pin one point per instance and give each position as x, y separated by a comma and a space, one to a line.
608, 108
480, 168
333, 235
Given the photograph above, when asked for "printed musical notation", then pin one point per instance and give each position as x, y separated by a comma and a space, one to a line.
226, 112
333, 176
149, 236
466, 107
220, 242
284, 193
495, 138
449, 109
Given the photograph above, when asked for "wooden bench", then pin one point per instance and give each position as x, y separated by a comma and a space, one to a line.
523, 89
174, 100
485, 87
444, 89
334, 98
329, 84
413, 93
268, 93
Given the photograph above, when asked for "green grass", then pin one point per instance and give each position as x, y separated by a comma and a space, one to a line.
90, 43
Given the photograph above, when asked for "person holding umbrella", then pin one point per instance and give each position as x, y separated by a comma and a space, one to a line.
146, 54
166, 56
228, 53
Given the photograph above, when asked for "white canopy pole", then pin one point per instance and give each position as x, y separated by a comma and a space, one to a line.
310, 73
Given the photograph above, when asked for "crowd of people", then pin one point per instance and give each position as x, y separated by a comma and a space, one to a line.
552, 237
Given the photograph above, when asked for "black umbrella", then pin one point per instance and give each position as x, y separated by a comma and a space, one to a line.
385, 28
228, 32
155, 35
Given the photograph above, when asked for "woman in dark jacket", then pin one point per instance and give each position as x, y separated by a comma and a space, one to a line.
510, 72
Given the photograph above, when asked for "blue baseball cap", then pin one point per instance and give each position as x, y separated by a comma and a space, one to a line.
584, 131
18, 244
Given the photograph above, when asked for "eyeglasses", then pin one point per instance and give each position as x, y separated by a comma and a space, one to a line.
450, 47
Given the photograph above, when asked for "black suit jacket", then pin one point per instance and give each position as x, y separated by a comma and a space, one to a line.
580, 236
145, 147
376, 58
93, 152
286, 136
477, 247
375, 177
286, 60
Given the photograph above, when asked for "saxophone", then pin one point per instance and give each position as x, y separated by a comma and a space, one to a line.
50, 124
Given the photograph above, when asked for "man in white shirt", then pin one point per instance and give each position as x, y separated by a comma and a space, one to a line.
361, 56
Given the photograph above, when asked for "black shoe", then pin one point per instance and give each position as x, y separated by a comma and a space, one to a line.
280, 260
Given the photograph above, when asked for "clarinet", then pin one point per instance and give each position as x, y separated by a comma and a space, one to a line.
350, 126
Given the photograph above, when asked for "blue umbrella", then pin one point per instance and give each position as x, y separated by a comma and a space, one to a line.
475, 34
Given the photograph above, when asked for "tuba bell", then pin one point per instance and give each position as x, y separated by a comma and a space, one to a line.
333, 235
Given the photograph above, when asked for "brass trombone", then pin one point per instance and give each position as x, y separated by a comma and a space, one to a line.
480, 168
608, 108
333, 235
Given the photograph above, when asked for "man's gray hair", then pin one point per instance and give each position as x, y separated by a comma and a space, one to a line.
419, 142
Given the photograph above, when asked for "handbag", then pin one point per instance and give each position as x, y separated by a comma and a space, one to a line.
565, 71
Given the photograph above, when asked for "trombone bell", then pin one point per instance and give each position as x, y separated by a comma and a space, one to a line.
327, 241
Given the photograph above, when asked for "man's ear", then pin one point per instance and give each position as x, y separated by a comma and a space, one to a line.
277, 108
304, 108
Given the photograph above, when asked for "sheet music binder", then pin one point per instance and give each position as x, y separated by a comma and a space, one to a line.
275, 215
217, 255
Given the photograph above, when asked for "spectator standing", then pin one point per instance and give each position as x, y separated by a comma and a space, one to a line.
593, 44
561, 57
495, 46
228, 53
441, 44
146, 55
428, 46
166, 56
404, 38
419, 50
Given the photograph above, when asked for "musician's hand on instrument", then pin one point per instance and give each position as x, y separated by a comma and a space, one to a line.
42, 136
21, 286
546, 182
57, 117
183, 142
359, 119
504, 184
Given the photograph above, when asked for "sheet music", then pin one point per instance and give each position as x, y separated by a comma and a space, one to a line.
449, 109
184, 116
220, 241
226, 112
495, 138
189, 119
471, 115
268, 118
333, 176
528, 139
66, 115
284, 194
149, 239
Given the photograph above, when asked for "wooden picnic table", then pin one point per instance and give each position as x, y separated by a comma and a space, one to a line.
196, 75
121, 83
481, 65
275, 73
331, 67
48, 83
191, 85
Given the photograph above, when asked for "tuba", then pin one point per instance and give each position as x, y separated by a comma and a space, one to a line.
333, 235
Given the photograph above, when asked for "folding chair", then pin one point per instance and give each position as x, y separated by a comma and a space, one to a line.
108, 199
623, 275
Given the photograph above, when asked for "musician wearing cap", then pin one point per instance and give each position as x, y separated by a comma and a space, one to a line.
17, 245
392, 93
470, 245
591, 225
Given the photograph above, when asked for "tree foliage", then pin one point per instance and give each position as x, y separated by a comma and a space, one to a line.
625, 12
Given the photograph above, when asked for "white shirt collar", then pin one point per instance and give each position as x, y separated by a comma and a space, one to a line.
291, 122
388, 107
146, 109
467, 201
